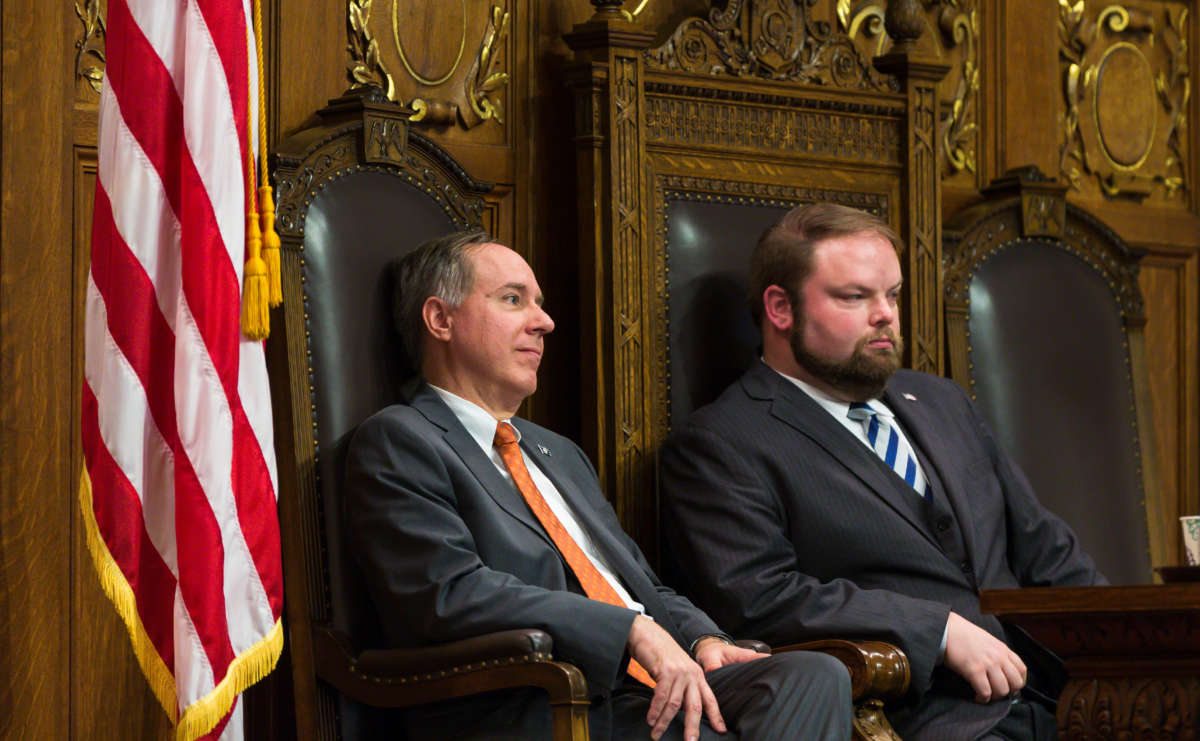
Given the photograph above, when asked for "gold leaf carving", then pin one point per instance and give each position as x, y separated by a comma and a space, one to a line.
1107, 61
365, 67
89, 49
960, 26
481, 81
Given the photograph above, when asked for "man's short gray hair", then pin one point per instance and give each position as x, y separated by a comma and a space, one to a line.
440, 267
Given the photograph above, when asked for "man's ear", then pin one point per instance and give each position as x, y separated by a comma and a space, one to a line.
436, 314
777, 308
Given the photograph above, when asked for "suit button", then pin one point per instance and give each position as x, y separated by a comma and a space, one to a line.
965, 566
943, 523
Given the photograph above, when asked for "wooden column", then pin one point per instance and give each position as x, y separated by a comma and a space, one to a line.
614, 331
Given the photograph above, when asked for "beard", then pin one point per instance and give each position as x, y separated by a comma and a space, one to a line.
860, 377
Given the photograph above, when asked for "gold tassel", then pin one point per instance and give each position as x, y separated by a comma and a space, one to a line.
270, 241
256, 317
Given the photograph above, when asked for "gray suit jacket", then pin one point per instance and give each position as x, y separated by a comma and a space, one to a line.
792, 529
450, 549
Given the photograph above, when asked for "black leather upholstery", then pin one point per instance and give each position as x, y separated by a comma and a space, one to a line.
712, 337
1051, 374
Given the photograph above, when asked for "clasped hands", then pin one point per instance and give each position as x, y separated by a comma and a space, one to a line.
679, 679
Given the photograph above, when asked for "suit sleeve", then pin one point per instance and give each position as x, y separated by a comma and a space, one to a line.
728, 531
425, 572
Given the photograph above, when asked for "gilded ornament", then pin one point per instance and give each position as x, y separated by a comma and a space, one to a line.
773, 40
89, 50
482, 83
365, 66
1123, 116
961, 28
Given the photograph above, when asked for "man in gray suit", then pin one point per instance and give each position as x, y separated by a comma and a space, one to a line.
469, 520
826, 492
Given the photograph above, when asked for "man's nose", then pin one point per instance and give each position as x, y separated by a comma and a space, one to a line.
541, 322
883, 312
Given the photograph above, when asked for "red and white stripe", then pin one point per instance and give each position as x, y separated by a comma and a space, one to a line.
177, 432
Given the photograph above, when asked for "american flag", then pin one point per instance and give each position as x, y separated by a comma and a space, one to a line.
179, 487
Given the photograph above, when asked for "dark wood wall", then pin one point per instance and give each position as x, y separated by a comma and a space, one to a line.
66, 670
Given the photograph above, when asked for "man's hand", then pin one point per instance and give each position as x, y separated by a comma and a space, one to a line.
991, 667
714, 653
679, 681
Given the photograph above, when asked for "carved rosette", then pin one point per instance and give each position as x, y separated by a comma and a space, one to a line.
771, 40
1126, 87
462, 88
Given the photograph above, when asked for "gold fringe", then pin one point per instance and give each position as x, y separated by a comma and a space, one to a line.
271, 244
116, 586
203, 715
250, 666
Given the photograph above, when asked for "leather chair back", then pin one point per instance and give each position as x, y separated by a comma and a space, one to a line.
713, 339
1044, 323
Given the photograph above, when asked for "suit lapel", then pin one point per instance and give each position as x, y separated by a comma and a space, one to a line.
924, 433
456, 436
791, 405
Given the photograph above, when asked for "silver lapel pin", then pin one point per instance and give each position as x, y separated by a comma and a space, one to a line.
910, 397
544, 450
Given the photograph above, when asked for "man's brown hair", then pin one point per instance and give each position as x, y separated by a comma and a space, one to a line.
784, 254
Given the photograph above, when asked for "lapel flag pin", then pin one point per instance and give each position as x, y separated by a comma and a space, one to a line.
544, 449
910, 397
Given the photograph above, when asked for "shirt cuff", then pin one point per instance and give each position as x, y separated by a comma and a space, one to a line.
721, 636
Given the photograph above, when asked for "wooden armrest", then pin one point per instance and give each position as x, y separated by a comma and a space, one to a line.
753, 645
395, 678
878, 670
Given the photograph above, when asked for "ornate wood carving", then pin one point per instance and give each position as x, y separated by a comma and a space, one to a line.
1036, 207
685, 117
381, 129
387, 65
767, 39
89, 48
1156, 708
1126, 85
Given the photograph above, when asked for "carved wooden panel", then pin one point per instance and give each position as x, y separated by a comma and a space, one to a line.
463, 80
1125, 86
1143, 708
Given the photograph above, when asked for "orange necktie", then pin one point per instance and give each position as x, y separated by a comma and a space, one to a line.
594, 585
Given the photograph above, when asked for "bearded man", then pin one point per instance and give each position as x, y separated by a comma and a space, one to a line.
829, 493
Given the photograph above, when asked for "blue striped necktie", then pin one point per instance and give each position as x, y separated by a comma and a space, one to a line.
889, 446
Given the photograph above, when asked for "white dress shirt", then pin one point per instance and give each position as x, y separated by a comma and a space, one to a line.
482, 427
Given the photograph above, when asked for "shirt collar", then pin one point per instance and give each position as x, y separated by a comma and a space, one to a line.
836, 407
480, 424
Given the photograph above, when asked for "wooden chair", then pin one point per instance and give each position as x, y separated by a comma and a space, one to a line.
1044, 323
356, 190
686, 151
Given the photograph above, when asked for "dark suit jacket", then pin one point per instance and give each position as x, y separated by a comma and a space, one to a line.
450, 549
792, 529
